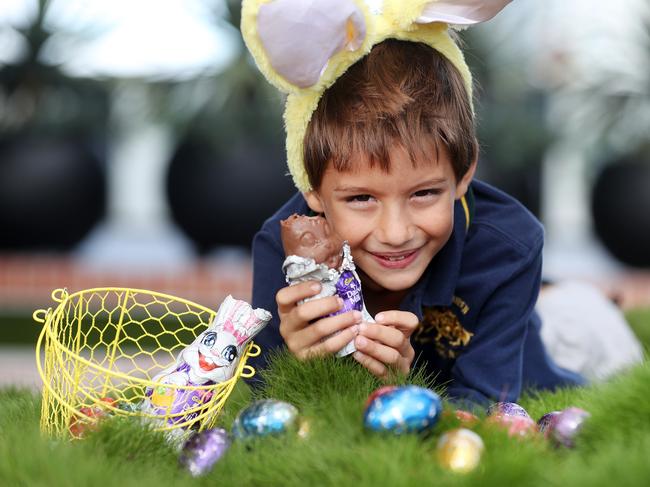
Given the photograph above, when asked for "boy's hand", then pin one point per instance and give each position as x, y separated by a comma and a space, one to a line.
301, 326
386, 344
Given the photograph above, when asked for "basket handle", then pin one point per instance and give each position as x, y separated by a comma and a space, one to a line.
40, 315
247, 372
254, 350
60, 294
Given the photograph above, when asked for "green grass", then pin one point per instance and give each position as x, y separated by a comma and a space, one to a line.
330, 393
639, 320
613, 448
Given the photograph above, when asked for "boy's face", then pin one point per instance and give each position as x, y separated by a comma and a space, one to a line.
395, 222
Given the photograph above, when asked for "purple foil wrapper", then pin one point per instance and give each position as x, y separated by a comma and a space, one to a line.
348, 288
507, 409
201, 451
174, 400
343, 282
567, 425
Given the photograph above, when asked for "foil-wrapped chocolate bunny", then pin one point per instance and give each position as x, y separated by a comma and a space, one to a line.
210, 359
315, 253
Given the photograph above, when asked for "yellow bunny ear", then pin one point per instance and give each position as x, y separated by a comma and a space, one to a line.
295, 41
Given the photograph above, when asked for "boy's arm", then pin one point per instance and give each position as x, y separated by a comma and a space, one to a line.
268, 279
491, 367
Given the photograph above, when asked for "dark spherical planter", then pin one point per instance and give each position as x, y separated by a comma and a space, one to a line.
52, 192
621, 210
222, 198
522, 182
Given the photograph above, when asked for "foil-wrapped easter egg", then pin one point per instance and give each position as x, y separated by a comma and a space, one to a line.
379, 392
547, 422
202, 450
405, 409
462, 416
567, 425
516, 426
507, 409
465, 417
89, 417
460, 450
264, 417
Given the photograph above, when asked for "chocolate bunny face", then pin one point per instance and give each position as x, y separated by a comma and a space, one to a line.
215, 353
311, 236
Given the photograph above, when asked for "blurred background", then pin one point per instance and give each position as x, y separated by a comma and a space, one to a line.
140, 146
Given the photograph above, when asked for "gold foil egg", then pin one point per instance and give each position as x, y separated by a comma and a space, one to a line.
460, 450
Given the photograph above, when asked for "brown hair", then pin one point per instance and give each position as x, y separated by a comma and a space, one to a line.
401, 92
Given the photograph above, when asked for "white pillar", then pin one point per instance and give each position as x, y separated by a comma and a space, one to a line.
137, 231
571, 249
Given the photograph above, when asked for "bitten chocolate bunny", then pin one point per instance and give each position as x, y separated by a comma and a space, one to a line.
315, 253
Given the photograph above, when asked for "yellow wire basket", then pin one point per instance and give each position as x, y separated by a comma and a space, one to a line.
100, 348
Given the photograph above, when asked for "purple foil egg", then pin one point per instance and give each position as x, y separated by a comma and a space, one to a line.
507, 409
547, 422
567, 425
202, 450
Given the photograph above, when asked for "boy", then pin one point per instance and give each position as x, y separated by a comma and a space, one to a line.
450, 267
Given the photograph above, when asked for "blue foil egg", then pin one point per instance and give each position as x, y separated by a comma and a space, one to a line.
407, 409
264, 417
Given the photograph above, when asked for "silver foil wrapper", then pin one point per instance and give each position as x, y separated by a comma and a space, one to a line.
343, 281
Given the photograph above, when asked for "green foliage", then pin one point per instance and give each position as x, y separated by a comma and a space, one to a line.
330, 394
639, 320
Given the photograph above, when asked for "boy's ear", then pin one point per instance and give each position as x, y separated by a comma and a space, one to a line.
313, 201
463, 184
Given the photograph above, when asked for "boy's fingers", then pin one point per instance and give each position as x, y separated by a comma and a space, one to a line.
327, 326
332, 344
384, 354
374, 366
387, 335
299, 317
402, 320
320, 330
317, 308
287, 297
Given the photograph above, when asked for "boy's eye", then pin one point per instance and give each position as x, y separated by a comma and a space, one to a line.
361, 198
423, 193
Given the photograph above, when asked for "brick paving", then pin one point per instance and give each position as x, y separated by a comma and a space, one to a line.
26, 283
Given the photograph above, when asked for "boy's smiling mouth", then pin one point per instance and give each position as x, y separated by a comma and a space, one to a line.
396, 260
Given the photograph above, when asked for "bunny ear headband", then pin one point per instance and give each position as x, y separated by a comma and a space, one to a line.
303, 46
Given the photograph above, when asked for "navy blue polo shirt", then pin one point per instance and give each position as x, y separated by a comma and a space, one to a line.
478, 333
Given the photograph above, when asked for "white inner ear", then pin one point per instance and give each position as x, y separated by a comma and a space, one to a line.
461, 12
300, 36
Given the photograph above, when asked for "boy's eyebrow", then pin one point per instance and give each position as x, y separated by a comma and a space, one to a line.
361, 189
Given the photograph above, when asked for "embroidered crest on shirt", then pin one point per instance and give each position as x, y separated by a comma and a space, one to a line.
441, 326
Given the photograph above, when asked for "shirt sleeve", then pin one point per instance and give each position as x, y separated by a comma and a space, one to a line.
268, 279
491, 368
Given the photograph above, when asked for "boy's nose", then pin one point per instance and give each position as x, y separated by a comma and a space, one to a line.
395, 227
